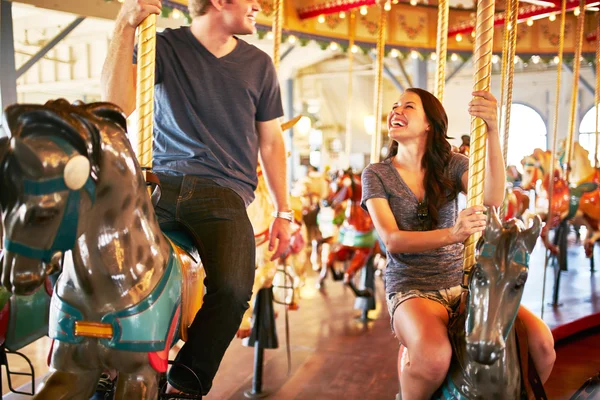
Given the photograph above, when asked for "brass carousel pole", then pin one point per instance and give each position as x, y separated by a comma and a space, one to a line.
507, 91
508, 76
441, 48
145, 89
561, 46
597, 94
576, 65
482, 61
376, 140
352, 28
505, 44
277, 29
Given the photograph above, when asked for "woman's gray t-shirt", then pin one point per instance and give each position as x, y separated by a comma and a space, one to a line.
430, 270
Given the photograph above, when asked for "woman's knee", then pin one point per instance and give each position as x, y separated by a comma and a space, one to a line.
430, 358
541, 347
539, 337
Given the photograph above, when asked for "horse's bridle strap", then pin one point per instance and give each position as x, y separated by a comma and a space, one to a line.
93, 329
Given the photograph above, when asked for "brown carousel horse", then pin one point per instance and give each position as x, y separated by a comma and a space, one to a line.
70, 181
357, 240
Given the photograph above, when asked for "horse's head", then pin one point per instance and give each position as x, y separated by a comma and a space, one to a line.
496, 285
48, 171
535, 167
344, 186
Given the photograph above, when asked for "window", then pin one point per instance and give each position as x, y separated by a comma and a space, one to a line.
587, 133
527, 132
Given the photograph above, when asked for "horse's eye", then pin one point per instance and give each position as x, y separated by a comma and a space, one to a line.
520, 282
42, 216
480, 276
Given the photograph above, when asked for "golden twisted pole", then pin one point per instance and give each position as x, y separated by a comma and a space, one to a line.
482, 61
561, 46
352, 28
505, 45
597, 93
376, 140
441, 48
277, 28
510, 71
145, 89
576, 65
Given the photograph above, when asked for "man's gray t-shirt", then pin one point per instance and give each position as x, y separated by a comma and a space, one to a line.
430, 270
205, 110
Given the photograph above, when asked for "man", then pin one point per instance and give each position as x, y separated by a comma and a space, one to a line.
217, 102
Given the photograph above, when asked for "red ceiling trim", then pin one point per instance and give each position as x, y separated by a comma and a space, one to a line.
332, 7
532, 11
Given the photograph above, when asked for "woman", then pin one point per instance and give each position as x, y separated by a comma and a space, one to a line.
411, 197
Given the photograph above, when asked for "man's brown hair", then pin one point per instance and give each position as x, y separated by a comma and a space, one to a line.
198, 7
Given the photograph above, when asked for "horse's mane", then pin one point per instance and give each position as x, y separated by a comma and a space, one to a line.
78, 124
507, 242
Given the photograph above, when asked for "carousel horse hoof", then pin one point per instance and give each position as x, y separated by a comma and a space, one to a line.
293, 306
105, 390
337, 276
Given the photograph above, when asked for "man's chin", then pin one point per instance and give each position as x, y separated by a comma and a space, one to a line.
247, 29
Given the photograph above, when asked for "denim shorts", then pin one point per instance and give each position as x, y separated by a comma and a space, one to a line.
449, 298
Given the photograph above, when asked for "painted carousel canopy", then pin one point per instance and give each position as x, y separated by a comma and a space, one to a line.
412, 24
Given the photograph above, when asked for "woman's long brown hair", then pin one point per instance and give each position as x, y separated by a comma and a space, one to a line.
439, 188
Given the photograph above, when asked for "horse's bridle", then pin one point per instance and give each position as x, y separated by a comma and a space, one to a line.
66, 233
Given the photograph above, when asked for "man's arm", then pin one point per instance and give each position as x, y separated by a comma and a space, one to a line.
118, 80
274, 166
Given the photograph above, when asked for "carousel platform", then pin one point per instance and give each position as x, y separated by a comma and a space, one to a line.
334, 355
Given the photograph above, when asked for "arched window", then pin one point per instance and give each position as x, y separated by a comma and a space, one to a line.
587, 132
527, 132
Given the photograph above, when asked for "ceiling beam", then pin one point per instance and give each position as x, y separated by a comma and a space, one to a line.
49, 46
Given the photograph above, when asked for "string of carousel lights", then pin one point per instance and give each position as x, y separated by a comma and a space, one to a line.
528, 15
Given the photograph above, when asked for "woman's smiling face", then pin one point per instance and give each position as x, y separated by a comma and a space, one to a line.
407, 120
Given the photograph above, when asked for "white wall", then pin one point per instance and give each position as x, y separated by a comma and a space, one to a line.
535, 89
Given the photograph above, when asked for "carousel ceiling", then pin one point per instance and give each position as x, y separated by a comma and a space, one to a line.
411, 24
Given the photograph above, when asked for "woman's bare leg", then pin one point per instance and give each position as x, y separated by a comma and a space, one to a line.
541, 343
422, 326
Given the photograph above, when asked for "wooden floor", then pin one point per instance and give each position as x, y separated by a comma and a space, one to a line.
335, 356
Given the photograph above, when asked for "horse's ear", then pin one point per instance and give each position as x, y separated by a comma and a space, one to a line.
108, 111
26, 158
531, 235
493, 229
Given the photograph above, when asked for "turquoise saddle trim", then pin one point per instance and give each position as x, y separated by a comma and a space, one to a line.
521, 257
449, 391
143, 327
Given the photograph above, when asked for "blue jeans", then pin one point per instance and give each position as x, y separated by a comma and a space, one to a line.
216, 218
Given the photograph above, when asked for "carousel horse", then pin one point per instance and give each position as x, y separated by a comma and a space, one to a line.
487, 361
292, 264
486, 358
357, 241
516, 202
567, 202
70, 180
465, 147
312, 190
